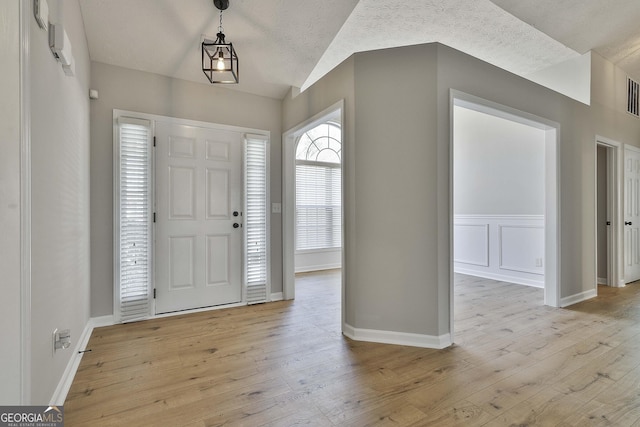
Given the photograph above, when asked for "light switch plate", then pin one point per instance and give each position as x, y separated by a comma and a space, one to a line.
41, 12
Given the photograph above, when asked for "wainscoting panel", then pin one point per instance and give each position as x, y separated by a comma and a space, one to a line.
520, 248
509, 248
472, 244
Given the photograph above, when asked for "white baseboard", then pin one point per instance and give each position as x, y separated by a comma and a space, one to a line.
60, 394
277, 296
101, 321
582, 296
605, 281
500, 277
397, 338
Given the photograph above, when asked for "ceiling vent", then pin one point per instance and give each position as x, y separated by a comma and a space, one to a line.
633, 96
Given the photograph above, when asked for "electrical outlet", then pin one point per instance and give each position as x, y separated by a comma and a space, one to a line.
61, 339
276, 208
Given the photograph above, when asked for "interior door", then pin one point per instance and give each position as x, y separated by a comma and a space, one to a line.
198, 217
631, 214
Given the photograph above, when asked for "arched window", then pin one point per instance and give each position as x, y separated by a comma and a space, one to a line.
319, 188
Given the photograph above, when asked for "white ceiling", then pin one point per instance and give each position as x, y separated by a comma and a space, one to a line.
284, 43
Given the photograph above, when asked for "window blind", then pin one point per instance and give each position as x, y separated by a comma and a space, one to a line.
256, 219
134, 226
633, 97
318, 201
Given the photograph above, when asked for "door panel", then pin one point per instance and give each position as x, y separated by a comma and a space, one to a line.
181, 262
198, 187
182, 197
218, 194
218, 268
631, 214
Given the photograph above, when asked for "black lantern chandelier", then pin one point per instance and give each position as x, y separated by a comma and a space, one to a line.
219, 58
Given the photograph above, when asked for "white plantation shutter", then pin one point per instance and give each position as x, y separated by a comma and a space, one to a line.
318, 201
256, 219
134, 220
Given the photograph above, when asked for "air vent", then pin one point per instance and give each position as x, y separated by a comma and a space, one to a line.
633, 95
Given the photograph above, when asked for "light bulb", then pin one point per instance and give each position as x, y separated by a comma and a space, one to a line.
220, 65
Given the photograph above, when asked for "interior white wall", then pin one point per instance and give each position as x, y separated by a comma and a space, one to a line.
498, 165
60, 197
499, 197
138, 91
571, 78
10, 205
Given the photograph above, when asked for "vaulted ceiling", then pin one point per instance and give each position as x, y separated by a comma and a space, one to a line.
285, 43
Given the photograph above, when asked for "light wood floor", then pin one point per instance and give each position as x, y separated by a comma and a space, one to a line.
515, 362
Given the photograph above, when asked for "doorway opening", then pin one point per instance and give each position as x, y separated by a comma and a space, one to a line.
313, 231
504, 224
318, 213
609, 260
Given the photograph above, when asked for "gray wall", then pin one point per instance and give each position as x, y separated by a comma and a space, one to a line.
10, 212
498, 165
396, 184
60, 198
601, 156
398, 249
126, 89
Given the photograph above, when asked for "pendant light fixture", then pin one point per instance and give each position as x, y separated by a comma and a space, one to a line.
219, 58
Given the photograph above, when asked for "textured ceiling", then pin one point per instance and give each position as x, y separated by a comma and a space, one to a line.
284, 43
478, 27
278, 41
609, 27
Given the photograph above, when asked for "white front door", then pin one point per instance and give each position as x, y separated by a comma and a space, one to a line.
631, 214
198, 217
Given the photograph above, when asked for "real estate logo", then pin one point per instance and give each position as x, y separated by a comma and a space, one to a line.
31, 416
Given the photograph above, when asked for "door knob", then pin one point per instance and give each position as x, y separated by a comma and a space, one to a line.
236, 225
628, 223
235, 213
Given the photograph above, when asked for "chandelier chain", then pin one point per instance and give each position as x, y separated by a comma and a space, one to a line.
220, 29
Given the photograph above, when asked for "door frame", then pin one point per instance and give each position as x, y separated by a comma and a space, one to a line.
615, 237
288, 198
188, 122
623, 218
24, 321
552, 264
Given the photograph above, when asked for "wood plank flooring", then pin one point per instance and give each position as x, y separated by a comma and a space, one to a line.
515, 363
